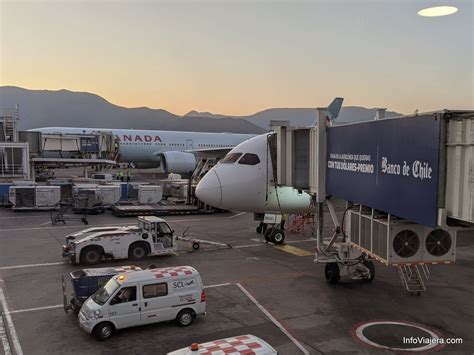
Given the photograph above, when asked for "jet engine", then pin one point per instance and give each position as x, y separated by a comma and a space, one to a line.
177, 162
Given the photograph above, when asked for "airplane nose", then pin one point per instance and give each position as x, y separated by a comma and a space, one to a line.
209, 189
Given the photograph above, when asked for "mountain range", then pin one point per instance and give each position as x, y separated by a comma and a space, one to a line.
43, 108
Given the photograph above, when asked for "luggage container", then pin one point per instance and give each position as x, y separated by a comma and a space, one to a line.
33, 197
104, 195
102, 176
149, 194
4, 192
109, 194
80, 284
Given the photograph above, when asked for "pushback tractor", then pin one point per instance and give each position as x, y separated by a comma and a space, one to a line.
151, 237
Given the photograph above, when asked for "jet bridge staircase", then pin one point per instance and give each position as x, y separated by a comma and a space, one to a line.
412, 278
203, 166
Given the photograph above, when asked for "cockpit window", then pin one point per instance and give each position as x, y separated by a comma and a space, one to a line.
249, 159
231, 158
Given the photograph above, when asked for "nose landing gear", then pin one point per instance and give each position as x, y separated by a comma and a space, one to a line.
271, 226
275, 235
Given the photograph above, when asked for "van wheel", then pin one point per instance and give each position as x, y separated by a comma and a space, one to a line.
103, 331
185, 318
137, 252
91, 255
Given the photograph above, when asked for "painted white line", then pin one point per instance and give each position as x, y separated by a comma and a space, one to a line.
65, 227
10, 326
273, 319
237, 215
301, 240
64, 262
218, 285
31, 265
270, 243
3, 335
24, 216
199, 219
247, 246
108, 224
36, 309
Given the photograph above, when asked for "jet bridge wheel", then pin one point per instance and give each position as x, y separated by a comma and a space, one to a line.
371, 269
331, 272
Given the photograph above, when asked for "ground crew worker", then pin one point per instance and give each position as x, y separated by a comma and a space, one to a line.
128, 176
120, 175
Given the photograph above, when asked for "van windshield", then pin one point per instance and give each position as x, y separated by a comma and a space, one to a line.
103, 294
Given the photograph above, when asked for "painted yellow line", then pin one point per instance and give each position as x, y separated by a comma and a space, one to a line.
293, 250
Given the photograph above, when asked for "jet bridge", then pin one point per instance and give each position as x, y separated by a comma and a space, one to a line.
408, 183
24, 152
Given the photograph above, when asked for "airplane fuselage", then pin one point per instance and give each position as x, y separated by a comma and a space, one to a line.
144, 146
248, 186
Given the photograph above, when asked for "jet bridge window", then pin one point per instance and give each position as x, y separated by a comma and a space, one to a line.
231, 158
249, 159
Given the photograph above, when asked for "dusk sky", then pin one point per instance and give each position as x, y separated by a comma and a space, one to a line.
239, 57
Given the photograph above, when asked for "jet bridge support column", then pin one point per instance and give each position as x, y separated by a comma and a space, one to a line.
317, 167
339, 257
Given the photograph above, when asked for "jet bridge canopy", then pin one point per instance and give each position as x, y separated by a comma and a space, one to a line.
419, 168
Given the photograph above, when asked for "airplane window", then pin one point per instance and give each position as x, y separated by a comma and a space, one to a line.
249, 159
231, 158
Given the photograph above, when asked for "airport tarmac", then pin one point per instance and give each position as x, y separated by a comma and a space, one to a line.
276, 293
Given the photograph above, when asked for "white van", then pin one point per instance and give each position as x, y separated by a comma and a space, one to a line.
144, 297
242, 344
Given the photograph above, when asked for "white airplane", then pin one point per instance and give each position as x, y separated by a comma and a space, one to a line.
244, 181
173, 151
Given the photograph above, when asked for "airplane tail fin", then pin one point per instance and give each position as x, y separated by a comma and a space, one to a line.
334, 108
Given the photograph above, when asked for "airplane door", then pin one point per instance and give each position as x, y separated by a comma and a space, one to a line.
189, 144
